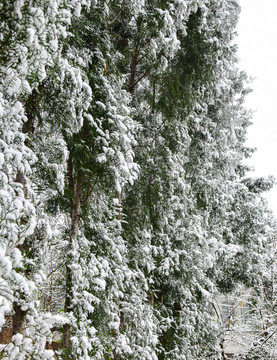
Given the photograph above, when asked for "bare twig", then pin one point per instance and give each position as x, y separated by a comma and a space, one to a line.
114, 20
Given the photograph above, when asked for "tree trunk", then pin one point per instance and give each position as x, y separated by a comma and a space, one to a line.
19, 322
134, 63
19, 319
73, 236
6, 332
133, 67
116, 356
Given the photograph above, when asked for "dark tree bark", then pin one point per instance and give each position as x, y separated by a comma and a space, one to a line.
19, 319
76, 210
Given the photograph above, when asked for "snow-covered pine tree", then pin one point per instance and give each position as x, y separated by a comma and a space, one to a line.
99, 164
30, 49
192, 147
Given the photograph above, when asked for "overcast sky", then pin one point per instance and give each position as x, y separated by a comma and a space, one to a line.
257, 42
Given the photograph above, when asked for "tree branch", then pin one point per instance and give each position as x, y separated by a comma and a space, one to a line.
114, 20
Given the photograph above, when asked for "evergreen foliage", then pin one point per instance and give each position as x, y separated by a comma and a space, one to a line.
124, 201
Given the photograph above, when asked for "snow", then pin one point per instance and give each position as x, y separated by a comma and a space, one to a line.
17, 339
1, 110
100, 282
78, 9
31, 226
17, 8
48, 354
5, 263
13, 354
31, 35
16, 257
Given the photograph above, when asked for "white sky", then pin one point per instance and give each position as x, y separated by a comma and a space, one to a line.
257, 42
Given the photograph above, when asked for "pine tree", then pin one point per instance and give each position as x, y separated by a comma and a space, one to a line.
30, 34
